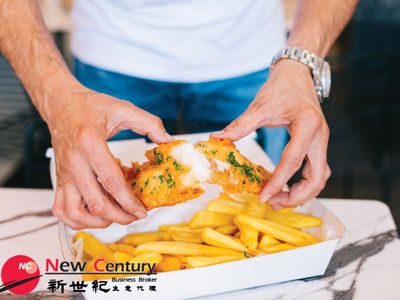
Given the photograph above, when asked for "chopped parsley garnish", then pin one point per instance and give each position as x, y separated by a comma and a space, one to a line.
141, 189
246, 254
161, 178
244, 168
170, 182
134, 183
146, 183
177, 166
249, 172
213, 152
232, 159
158, 158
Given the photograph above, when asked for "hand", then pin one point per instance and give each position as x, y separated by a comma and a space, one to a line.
91, 189
288, 99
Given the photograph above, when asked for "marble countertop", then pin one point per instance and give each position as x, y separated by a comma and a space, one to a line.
366, 264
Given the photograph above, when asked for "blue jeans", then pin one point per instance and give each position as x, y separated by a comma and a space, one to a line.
186, 107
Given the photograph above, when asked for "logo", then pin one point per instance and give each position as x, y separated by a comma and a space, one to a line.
20, 275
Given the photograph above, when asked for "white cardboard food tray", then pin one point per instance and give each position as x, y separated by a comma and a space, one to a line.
289, 265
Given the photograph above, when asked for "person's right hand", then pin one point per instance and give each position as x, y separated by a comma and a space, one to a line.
91, 190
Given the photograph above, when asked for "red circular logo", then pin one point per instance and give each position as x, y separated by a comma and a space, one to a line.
20, 274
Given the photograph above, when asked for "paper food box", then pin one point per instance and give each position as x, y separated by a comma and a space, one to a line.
293, 264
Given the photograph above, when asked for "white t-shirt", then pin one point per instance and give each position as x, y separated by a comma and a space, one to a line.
178, 40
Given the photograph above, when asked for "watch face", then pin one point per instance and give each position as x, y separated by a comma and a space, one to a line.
326, 79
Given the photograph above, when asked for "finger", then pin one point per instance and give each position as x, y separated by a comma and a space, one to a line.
144, 123
110, 175
59, 210
76, 212
276, 206
328, 172
291, 160
314, 178
97, 201
279, 200
241, 127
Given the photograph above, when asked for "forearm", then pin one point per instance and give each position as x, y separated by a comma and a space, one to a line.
29, 48
318, 23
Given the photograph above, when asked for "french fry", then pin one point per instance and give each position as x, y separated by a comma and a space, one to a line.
293, 219
267, 240
149, 257
214, 238
202, 261
182, 258
225, 196
122, 257
210, 219
226, 206
184, 229
142, 237
286, 210
278, 248
184, 248
249, 237
93, 247
243, 197
114, 246
168, 226
167, 236
256, 208
238, 224
230, 230
257, 252
278, 231
186, 236
120, 247
169, 263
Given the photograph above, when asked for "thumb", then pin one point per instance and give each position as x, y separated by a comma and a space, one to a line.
242, 126
145, 123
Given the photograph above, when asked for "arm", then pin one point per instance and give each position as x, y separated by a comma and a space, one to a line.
288, 99
318, 24
79, 120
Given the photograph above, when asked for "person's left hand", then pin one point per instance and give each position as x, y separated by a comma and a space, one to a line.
288, 99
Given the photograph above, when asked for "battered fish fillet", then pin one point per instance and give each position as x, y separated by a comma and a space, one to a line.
231, 170
176, 171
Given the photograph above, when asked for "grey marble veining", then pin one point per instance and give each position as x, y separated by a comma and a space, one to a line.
359, 252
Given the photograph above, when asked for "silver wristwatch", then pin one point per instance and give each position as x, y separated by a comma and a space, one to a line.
320, 69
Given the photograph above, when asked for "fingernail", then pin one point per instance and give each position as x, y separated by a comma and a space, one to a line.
276, 206
168, 138
265, 197
140, 214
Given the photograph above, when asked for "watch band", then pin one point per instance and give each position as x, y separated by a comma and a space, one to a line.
319, 68
304, 56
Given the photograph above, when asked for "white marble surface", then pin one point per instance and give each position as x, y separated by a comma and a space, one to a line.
366, 264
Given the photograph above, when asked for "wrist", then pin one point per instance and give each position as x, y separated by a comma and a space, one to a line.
292, 66
53, 94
